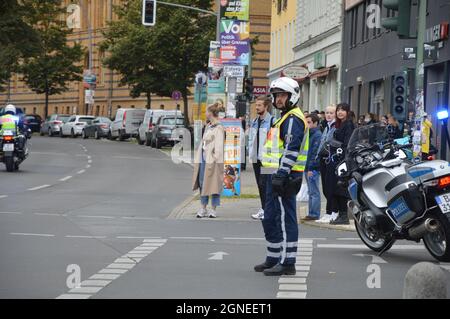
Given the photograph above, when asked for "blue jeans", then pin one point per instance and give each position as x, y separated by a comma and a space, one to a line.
313, 193
215, 198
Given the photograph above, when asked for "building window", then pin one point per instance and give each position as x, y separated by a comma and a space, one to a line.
56, 109
353, 27
279, 6
376, 97
364, 29
350, 97
285, 4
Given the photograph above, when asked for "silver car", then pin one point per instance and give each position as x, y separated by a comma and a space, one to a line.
147, 126
53, 123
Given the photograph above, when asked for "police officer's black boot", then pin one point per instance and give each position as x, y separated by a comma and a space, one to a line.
341, 220
279, 270
263, 266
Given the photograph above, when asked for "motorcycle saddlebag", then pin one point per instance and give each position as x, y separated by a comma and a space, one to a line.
405, 201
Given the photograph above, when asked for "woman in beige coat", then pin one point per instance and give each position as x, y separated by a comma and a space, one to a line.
208, 169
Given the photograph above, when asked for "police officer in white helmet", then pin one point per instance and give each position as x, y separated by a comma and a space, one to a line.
284, 158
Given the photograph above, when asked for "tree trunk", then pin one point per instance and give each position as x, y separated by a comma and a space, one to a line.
149, 100
46, 105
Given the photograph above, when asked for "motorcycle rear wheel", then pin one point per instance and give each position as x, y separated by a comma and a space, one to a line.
438, 243
9, 162
382, 244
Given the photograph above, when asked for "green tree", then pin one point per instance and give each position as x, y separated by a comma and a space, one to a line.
162, 58
130, 51
17, 38
57, 63
183, 37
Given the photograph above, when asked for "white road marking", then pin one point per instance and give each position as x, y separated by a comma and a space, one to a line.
111, 272
84, 290
240, 238
89, 156
48, 214
31, 234
132, 237
293, 287
304, 257
105, 276
65, 178
286, 280
94, 216
302, 268
91, 237
139, 218
194, 238
11, 213
81, 172
89, 161
304, 262
305, 241
88, 166
397, 247
298, 274
38, 187
291, 295
217, 255
304, 253
345, 239
99, 283
121, 266
155, 240
74, 296
3, 196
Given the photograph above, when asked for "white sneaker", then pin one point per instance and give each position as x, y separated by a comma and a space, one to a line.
212, 214
259, 214
202, 213
325, 219
334, 216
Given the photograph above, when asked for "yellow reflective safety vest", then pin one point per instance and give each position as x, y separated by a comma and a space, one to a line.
8, 123
274, 148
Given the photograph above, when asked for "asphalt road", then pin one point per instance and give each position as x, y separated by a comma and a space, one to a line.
99, 209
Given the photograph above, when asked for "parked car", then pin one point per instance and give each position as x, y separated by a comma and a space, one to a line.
150, 120
162, 133
53, 123
126, 123
75, 125
34, 122
98, 128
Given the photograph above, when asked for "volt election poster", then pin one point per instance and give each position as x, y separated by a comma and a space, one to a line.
232, 157
234, 42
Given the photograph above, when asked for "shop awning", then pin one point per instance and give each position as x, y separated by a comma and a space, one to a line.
322, 72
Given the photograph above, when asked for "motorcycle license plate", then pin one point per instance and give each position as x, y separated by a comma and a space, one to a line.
444, 203
8, 147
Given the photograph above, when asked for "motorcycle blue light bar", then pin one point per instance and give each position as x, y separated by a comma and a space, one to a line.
442, 115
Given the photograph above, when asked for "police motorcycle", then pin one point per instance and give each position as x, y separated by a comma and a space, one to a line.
392, 198
10, 151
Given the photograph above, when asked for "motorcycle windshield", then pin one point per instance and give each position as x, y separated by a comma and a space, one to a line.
368, 135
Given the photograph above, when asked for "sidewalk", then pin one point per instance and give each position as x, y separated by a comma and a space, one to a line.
241, 208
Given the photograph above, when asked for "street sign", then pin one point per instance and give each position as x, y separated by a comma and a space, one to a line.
410, 53
176, 95
89, 96
295, 72
260, 90
200, 78
234, 71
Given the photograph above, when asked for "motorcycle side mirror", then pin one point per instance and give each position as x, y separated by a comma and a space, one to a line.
342, 169
339, 151
402, 154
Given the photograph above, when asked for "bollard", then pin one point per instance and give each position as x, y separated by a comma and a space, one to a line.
425, 280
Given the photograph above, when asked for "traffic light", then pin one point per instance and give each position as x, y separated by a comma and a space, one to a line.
400, 23
399, 96
249, 88
149, 12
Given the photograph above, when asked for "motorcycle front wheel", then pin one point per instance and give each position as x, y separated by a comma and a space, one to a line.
438, 242
377, 244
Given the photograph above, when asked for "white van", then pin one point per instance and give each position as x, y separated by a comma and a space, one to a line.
126, 123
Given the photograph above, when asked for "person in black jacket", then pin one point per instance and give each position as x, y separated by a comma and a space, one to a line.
344, 130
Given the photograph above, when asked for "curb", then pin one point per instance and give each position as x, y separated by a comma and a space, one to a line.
349, 228
178, 211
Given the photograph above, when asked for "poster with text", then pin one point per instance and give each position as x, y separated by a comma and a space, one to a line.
232, 9
234, 42
232, 157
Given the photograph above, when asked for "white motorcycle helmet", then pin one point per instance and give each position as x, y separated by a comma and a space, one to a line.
286, 84
11, 109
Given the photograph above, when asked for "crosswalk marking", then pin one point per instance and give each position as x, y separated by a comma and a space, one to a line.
113, 271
